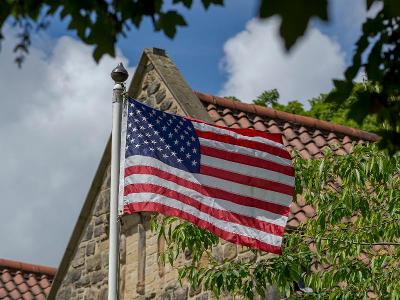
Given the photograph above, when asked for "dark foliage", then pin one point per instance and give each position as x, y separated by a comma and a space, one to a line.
101, 23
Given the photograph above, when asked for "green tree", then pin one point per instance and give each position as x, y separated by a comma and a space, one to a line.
270, 98
233, 98
101, 23
267, 98
350, 248
337, 113
294, 107
333, 112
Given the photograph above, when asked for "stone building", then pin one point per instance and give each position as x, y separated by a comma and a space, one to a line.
82, 273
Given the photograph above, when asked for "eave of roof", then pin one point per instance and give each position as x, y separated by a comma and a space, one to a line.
288, 117
26, 267
20, 280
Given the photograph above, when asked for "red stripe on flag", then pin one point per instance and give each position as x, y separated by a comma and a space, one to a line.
210, 191
276, 137
217, 213
244, 143
247, 180
248, 160
229, 236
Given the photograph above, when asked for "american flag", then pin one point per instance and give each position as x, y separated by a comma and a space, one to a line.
236, 183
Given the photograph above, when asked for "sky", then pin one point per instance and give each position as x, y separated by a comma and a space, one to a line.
55, 116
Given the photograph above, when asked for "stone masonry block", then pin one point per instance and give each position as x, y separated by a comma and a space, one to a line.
91, 294
88, 233
93, 263
202, 297
73, 276
83, 281
90, 248
153, 88
230, 251
104, 259
64, 293
99, 230
180, 293
79, 258
98, 276
160, 95
166, 104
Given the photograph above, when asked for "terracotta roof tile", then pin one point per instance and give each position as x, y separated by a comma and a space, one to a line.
304, 154
294, 208
301, 217
300, 200
273, 127
18, 278
289, 133
347, 144
307, 135
331, 136
313, 149
340, 151
27, 297
5, 277
214, 114
24, 281
14, 294
244, 121
309, 211
220, 123
302, 129
228, 118
292, 222
296, 144
23, 288
44, 282
286, 143
258, 124
319, 141
346, 140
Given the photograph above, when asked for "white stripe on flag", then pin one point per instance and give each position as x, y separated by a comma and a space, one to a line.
221, 131
210, 181
245, 151
256, 213
244, 169
224, 225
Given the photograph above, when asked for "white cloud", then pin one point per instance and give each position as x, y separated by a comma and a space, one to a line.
346, 19
54, 123
255, 60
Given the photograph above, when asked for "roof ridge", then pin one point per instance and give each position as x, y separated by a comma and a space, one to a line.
285, 116
27, 267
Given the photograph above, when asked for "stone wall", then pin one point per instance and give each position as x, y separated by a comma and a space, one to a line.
86, 277
155, 93
87, 274
141, 274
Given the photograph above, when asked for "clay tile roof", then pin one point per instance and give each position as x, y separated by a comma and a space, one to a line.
307, 135
20, 280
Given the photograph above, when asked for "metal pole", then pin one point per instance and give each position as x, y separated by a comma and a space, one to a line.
119, 75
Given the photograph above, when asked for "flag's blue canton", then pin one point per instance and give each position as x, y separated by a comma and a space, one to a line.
169, 138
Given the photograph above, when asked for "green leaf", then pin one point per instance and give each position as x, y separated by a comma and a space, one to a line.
208, 3
187, 3
169, 21
295, 16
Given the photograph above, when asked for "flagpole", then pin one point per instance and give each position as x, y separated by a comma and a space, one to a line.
119, 75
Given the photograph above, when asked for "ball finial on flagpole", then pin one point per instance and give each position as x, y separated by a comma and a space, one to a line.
119, 74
